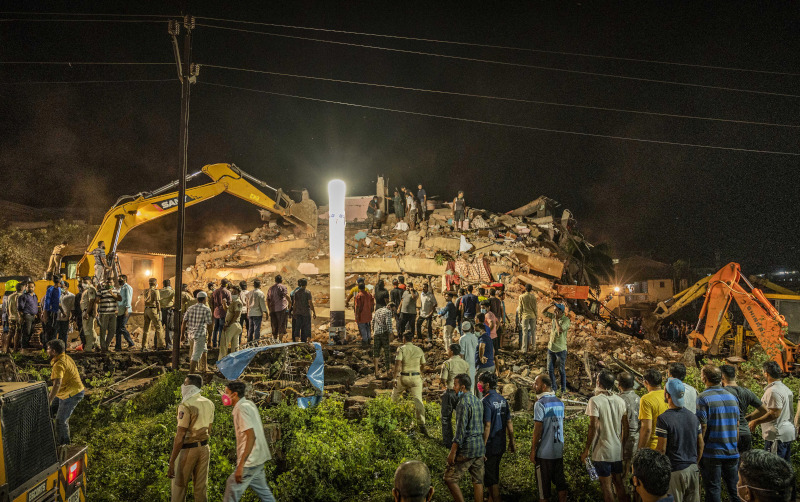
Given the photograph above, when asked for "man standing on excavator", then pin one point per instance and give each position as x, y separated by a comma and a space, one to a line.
100, 263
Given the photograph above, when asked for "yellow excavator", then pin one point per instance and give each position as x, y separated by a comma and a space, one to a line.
130, 211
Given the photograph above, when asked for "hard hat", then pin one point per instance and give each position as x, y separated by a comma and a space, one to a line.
11, 285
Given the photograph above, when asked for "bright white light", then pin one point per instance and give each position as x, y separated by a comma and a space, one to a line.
616, 289
336, 193
147, 273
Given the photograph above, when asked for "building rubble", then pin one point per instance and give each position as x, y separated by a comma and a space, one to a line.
527, 245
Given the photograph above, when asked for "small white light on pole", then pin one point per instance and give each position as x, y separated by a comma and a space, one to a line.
336, 225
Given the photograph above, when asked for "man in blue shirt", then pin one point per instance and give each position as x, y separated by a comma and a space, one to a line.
468, 304
468, 448
485, 355
547, 445
718, 412
50, 307
496, 425
422, 197
450, 314
28, 308
123, 312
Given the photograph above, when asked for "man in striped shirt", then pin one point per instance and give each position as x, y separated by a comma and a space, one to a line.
107, 313
718, 412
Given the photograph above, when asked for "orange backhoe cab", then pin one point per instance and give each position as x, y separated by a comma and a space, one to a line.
768, 325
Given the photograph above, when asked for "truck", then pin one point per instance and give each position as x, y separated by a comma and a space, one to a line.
32, 468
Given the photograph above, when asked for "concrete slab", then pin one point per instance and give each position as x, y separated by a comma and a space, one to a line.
539, 263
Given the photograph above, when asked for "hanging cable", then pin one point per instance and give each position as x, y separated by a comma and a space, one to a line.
504, 47
37, 82
505, 63
502, 124
514, 100
81, 63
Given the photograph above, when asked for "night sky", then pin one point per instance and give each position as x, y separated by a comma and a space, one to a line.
86, 144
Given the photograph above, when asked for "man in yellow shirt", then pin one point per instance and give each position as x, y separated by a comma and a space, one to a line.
67, 389
651, 405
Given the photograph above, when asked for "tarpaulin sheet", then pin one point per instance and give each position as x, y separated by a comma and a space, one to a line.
232, 366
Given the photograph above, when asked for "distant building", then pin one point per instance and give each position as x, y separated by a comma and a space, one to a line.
638, 281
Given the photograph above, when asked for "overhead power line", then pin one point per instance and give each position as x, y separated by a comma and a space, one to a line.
41, 20
37, 82
502, 124
504, 63
504, 47
81, 63
83, 14
498, 98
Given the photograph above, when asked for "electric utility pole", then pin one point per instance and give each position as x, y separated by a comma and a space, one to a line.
187, 73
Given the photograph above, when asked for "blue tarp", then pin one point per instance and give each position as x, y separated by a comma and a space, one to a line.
232, 366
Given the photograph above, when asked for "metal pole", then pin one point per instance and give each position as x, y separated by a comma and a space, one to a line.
186, 68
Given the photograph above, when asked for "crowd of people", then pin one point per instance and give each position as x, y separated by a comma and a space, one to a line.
662, 446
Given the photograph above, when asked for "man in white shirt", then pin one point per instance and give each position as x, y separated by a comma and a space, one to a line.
252, 450
608, 431
776, 425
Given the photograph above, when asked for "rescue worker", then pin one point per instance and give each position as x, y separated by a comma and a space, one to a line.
187, 299
166, 302
67, 390
232, 332
55, 260
407, 372
107, 298
190, 451
195, 325
459, 210
455, 365
88, 312
100, 263
152, 315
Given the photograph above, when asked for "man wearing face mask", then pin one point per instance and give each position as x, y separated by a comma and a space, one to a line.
764, 477
252, 450
190, 452
89, 309
123, 312
496, 426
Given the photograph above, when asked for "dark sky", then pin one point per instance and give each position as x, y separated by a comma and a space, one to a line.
87, 144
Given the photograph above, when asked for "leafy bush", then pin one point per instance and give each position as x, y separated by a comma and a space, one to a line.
320, 455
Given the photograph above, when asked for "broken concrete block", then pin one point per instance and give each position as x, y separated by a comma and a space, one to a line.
540, 284
539, 263
449, 244
413, 240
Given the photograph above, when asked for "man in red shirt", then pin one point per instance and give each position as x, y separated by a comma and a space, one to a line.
364, 304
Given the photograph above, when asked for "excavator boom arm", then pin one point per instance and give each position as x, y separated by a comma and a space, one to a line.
124, 217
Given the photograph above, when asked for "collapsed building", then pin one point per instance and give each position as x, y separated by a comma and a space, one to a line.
536, 244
